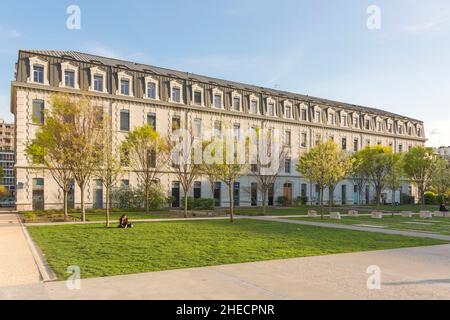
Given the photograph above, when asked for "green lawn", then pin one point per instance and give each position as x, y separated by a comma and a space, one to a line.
157, 246
436, 225
404, 207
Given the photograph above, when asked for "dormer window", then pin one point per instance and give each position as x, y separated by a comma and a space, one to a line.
125, 84
367, 124
317, 116
197, 95
331, 118
198, 98
176, 92
343, 120
303, 114
125, 87
151, 88
236, 98
254, 104
69, 78
287, 110
38, 71
355, 122
217, 98
270, 107
98, 80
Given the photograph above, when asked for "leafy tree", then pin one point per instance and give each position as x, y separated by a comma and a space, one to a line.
50, 149
395, 177
146, 152
185, 165
358, 175
420, 165
376, 162
441, 179
110, 169
324, 165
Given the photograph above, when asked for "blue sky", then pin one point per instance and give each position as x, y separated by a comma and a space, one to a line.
321, 48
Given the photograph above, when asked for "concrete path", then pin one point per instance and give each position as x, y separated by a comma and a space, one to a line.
412, 273
17, 265
358, 228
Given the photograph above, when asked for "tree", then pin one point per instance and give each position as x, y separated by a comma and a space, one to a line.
110, 169
395, 175
183, 146
82, 138
324, 165
50, 147
420, 164
441, 179
146, 153
359, 175
263, 171
376, 163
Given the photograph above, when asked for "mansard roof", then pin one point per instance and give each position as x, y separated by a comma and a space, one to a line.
133, 66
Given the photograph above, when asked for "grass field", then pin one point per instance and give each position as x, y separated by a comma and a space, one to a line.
100, 251
435, 225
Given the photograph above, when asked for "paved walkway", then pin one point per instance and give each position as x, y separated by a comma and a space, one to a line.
358, 228
17, 265
412, 273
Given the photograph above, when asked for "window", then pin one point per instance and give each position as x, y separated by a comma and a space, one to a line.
271, 108
356, 122
237, 104
332, 119
304, 114
288, 112
287, 165
198, 98
287, 138
151, 90
410, 131
389, 126
151, 120
176, 94
419, 132
400, 148
368, 142
237, 130
379, 143
317, 116
38, 73
125, 86
197, 128
176, 123
197, 189
125, 157
254, 106
304, 139
124, 120
367, 124
125, 183
318, 139
218, 101
344, 143
69, 78
38, 112
344, 120
98, 82
355, 144
217, 129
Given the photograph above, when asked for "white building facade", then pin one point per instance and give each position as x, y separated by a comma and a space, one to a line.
135, 94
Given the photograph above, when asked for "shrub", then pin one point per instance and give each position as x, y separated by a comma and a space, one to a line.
200, 203
441, 199
132, 198
282, 200
430, 197
407, 199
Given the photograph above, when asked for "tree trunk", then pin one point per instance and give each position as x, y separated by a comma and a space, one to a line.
83, 209
321, 190
185, 204
264, 202
146, 199
230, 192
107, 206
66, 215
378, 195
422, 196
330, 197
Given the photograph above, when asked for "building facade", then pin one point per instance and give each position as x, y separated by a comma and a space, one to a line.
444, 152
7, 162
134, 94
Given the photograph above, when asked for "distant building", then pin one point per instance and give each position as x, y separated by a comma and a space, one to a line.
7, 158
444, 152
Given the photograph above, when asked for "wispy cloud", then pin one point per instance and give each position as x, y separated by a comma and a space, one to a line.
436, 24
7, 33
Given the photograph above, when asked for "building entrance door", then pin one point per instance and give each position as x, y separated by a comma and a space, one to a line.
287, 192
175, 194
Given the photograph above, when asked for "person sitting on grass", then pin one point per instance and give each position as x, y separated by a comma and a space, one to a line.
442, 208
123, 222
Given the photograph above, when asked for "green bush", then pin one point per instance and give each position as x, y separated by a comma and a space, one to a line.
407, 199
430, 197
133, 198
282, 200
200, 203
441, 199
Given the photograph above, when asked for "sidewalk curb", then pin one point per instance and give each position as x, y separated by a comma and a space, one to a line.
44, 268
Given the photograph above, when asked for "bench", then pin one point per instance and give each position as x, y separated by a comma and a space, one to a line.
426, 215
312, 213
335, 215
407, 214
377, 215
442, 214
352, 213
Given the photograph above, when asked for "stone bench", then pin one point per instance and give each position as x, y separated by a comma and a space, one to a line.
335, 215
426, 215
312, 213
377, 215
352, 213
407, 214
442, 214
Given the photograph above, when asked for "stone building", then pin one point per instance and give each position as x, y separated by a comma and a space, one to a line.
7, 161
134, 94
